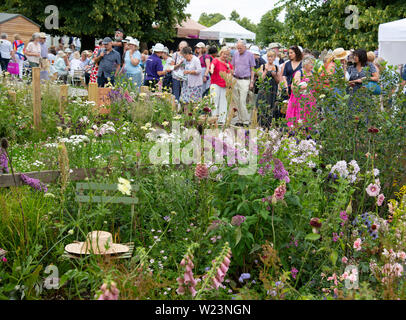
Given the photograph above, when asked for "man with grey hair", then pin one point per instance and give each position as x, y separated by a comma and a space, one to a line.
244, 63
6, 50
44, 62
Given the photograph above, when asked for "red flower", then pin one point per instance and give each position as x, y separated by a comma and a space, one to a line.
373, 130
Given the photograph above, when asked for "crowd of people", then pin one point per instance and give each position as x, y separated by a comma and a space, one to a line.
266, 79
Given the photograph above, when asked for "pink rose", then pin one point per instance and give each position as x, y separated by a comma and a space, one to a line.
357, 244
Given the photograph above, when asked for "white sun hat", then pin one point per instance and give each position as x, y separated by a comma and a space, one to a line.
159, 47
97, 242
255, 50
134, 42
127, 39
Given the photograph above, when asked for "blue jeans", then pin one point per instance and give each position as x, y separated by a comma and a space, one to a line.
176, 88
136, 79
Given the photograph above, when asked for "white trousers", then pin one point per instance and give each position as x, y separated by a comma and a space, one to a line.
220, 102
240, 98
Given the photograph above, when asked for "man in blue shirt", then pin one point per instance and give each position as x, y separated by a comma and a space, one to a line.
153, 66
109, 62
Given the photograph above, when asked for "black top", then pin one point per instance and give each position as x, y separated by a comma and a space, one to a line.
120, 50
288, 72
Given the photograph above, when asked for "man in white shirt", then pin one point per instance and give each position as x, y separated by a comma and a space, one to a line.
6, 50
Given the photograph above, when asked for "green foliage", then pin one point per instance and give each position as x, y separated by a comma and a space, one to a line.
321, 25
209, 19
270, 29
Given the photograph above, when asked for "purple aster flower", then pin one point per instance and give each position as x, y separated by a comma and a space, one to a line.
34, 183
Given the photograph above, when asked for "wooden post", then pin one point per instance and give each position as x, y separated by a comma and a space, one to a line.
93, 93
12, 96
63, 98
36, 97
254, 118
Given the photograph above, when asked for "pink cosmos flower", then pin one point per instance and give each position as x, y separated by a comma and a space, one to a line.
344, 260
357, 244
380, 199
373, 190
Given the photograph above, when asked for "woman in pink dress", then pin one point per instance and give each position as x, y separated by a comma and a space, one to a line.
301, 100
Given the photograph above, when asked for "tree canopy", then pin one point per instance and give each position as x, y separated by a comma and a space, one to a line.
270, 29
320, 24
100, 18
210, 19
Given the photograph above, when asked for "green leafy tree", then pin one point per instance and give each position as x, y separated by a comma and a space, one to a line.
244, 22
148, 20
270, 28
234, 16
326, 24
210, 19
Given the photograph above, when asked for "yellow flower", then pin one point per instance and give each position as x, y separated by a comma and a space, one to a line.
177, 117
89, 132
59, 129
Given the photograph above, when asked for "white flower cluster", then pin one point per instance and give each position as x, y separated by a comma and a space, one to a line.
300, 153
75, 139
345, 171
104, 129
84, 119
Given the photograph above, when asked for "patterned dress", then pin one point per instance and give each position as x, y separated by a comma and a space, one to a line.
95, 69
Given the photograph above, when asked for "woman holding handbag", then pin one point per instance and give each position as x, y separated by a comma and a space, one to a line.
19, 57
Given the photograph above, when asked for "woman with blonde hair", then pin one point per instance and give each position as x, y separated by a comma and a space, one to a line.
218, 84
266, 101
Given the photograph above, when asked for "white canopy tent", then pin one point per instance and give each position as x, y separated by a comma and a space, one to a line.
226, 29
392, 41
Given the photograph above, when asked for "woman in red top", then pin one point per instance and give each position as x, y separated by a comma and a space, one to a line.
218, 84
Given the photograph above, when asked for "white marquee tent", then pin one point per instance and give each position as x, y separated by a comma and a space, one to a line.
392, 41
226, 29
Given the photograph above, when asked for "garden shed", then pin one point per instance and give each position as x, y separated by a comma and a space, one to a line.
13, 23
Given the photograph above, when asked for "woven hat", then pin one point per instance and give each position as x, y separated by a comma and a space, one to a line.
274, 45
340, 53
42, 35
97, 242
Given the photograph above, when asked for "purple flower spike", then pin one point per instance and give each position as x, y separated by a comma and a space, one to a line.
34, 183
